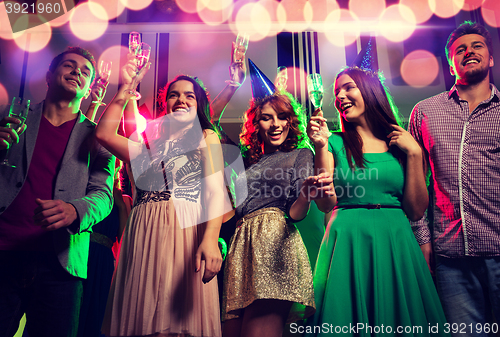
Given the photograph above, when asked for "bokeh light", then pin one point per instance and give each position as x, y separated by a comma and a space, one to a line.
137, 5
419, 68
216, 5
294, 14
61, 20
4, 96
85, 25
470, 5
367, 9
38, 36
320, 10
113, 8
342, 27
114, 54
446, 8
491, 12
420, 9
276, 13
141, 123
253, 19
5, 28
213, 17
397, 23
188, 6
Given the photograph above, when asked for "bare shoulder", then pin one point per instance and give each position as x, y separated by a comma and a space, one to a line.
211, 137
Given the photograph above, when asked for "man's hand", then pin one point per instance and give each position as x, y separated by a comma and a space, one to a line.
9, 136
54, 214
429, 258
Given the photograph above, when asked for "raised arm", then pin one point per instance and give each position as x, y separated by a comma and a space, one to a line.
97, 95
237, 75
107, 129
323, 159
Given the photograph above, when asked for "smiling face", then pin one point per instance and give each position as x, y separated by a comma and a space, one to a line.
273, 128
181, 102
470, 59
73, 75
348, 99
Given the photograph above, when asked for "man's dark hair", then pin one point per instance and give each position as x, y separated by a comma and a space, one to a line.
75, 50
466, 28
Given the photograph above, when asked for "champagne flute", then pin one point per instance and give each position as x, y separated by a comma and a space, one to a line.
105, 70
18, 109
142, 54
241, 47
134, 42
281, 79
315, 89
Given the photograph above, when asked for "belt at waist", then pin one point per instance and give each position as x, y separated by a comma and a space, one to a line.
259, 212
367, 206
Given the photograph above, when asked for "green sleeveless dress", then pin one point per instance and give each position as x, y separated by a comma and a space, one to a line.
371, 277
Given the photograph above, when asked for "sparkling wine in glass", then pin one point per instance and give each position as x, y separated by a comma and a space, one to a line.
134, 42
315, 89
18, 109
281, 79
105, 70
143, 52
241, 47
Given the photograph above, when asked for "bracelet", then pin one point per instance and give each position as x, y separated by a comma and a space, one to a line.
233, 83
98, 103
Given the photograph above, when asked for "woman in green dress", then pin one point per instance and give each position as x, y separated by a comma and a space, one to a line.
371, 277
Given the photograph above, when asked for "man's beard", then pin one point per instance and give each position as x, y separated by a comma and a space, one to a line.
476, 75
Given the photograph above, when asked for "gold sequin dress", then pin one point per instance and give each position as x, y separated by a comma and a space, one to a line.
267, 258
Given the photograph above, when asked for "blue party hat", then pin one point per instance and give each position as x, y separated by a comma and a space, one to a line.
367, 57
261, 85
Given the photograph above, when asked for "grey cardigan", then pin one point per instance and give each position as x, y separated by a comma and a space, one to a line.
85, 180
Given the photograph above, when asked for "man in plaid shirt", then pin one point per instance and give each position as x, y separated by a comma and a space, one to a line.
459, 131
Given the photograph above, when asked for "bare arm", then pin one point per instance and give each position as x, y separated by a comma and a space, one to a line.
323, 159
97, 95
415, 198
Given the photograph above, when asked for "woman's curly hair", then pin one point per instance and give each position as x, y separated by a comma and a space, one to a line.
250, 140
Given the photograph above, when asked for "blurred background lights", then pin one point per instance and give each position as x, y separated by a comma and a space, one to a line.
294, 10
85, 25
446, 8
139, 4
4, 97
213, 17
61, 20
419, 68
114, 54
5, 28
367, 9
397, 23
188, 6
491, 12
470, 5
253, 19
216, 5
38, 36
320, 10
113, 8
420, 9
342, 27
277, 15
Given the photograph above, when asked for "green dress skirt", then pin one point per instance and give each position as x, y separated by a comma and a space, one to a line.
371, 278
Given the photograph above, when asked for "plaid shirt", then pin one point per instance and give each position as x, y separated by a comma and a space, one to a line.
464, 155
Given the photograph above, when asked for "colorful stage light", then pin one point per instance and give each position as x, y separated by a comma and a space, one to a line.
420, 9
85, 25
446, 8
419, 68
397, 23
342, 27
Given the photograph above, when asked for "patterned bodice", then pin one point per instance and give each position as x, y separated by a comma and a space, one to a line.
168, 173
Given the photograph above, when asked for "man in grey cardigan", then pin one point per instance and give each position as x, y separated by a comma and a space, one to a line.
61, 187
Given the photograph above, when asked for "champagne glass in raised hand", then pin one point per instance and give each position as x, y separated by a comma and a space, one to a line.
105, 70
241, 47
315, 89
19, 110
134, 42
142, 54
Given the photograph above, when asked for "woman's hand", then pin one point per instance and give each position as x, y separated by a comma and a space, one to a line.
316, 187
98, 90
404, 140
317, 129
237, 70
129, 72
209, 251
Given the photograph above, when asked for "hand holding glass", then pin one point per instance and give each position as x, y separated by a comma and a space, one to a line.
315, 89
105, 70
19, 110
142, 54
241, 47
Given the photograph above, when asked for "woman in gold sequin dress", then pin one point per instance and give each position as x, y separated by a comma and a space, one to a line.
268, 279
164, 283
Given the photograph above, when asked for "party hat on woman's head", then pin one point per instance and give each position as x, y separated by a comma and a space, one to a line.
261, 85
367, 57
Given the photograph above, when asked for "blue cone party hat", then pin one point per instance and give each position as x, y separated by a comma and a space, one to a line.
261, 85
367, 57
